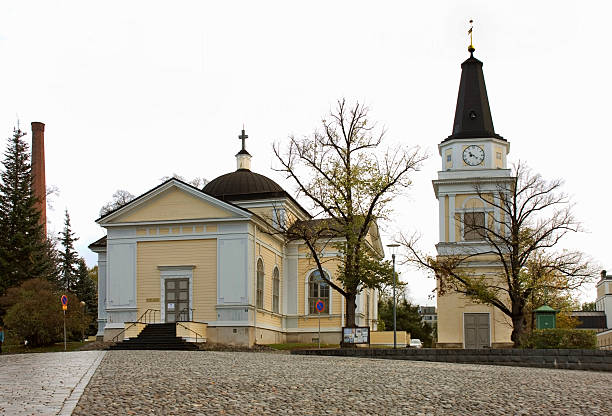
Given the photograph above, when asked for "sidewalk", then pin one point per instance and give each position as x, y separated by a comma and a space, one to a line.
49, 384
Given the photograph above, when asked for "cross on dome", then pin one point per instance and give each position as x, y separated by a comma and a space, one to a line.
243, 137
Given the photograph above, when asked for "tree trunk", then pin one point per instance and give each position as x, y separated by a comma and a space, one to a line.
519, 329
351, 306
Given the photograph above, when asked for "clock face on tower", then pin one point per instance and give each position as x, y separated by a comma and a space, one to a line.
473, 155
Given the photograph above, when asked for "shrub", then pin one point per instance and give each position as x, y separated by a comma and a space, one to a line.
35, 314
561, 338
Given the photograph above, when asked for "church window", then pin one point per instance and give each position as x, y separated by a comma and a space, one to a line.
276, 291
260, 284
318, 289
448, 158
499, 155
473, 226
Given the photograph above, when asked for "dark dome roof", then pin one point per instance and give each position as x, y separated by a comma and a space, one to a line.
243, 184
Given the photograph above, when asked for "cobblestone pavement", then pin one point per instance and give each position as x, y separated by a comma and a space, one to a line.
45, 384
204, 382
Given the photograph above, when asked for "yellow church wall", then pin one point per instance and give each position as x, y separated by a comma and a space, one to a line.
173, 204
201, 253
312, 322
448, 163
474, 202
458, 235
263, 212
267, 248
452, 306
306, 265
369, 293
499, 157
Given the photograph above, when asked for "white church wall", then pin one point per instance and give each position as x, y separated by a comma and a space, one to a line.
121, 289
232, 270
290, 300
102, 282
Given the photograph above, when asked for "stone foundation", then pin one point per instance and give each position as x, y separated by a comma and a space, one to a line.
593, 360
459, 345
309, 337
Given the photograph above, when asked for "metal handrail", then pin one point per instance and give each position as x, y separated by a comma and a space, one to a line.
178, 315
138, 321
189, 329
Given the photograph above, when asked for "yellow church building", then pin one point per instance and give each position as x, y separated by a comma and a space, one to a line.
210, 257
472, 157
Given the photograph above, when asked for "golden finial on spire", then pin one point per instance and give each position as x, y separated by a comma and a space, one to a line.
471, 48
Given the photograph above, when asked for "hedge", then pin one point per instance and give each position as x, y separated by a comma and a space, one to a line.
561, 338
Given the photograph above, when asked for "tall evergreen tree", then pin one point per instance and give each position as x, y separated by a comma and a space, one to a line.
85, 288
68, 258
25, 253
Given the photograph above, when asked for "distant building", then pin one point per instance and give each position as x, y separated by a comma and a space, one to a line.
595, 320
428, 315
603, 303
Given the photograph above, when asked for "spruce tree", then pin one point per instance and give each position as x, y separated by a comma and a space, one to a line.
68, 258
85, 288
25, 253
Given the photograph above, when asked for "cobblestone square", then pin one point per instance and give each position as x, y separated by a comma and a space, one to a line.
44, 384
205, 382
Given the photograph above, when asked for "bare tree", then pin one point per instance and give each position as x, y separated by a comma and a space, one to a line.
120, 198
534, 216
196, 182
350, 184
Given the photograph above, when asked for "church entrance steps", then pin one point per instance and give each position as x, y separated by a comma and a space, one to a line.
156, 337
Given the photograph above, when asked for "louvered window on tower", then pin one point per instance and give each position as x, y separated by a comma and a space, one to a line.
473, 226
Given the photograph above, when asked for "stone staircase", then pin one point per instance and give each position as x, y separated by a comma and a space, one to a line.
156, 337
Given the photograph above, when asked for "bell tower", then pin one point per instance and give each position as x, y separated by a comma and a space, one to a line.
473, 165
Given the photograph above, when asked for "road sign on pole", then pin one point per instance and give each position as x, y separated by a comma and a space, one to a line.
64, 300
320, 305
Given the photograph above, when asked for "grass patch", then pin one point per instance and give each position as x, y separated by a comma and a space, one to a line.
57, 347
301, 346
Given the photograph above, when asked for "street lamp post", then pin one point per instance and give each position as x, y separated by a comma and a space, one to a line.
393, 247
83, 321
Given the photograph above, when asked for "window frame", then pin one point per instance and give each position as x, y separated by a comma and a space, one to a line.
310, 309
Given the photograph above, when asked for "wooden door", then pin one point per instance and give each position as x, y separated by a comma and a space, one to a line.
177, 300
476, 330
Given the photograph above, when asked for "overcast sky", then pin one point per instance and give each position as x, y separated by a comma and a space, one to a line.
134, 91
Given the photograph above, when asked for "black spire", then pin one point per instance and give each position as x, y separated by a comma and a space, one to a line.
473, 115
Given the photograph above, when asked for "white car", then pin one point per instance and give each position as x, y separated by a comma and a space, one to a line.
416, 343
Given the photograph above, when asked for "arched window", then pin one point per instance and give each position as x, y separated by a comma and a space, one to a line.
318, 289
260, 284
276, 291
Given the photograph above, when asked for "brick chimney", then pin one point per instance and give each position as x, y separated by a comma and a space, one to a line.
39, 186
